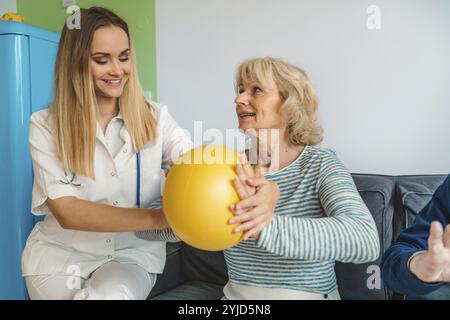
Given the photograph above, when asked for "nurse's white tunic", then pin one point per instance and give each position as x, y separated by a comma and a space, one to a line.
50, 249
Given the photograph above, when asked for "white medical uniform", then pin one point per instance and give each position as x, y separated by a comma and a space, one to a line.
53, 255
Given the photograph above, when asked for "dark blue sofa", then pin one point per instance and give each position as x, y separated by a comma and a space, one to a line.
194, 274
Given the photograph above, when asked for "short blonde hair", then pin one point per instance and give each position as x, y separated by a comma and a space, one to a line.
299, 109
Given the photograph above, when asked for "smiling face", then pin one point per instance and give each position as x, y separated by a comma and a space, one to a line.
110, 62
258, 106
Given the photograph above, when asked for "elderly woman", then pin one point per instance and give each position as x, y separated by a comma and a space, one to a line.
299, 210
320, 218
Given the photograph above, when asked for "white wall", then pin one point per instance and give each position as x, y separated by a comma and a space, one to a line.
7, 6
384, 94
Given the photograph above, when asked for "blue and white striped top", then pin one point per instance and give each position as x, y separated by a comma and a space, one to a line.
320, 218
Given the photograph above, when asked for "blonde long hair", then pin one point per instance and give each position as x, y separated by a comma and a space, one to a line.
299, 109
75, 105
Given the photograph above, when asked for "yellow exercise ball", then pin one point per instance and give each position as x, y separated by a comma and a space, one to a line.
197, 196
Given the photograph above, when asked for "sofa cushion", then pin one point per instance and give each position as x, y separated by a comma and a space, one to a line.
200, 265
362, 281
413, 193
193, 290
171, 276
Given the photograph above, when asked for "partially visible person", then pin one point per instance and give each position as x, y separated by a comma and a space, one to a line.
418, 263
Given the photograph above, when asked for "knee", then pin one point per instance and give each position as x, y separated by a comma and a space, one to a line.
106, 291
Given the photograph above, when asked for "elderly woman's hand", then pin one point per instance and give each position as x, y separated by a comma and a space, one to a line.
258, 196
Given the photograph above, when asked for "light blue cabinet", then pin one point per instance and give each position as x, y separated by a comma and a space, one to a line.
27, 57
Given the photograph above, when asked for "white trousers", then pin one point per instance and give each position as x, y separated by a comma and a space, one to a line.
111, 281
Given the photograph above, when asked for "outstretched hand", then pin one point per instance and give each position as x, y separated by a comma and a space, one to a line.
433, 265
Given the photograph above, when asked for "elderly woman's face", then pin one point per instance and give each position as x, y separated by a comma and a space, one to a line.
258, 106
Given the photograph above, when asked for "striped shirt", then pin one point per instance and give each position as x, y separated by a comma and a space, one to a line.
320, 218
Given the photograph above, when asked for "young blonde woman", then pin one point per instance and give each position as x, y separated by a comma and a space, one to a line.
97, 155
319, 218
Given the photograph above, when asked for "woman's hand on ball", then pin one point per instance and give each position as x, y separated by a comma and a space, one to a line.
256, 211
244, 171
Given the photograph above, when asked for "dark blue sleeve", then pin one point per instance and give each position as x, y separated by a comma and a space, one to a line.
394, 270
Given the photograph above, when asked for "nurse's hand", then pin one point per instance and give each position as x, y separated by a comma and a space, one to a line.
259, 197
171, 163
158, 219
166, 172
